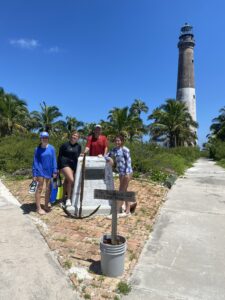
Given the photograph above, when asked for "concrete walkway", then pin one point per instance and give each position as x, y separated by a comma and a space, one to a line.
185, 256
28, 269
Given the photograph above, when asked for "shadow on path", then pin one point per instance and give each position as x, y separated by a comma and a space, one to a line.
95, 266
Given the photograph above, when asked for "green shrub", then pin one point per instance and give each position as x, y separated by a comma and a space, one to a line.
222, 163
123, 288
168, 163
16, 152
216, 149
160, 163
190, 154
220, 150
159, 176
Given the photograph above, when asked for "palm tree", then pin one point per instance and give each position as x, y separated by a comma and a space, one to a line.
45, 119
122, 121
218, 127
73, 124
118, 120
13, 112
87, 129
138, 106
173, 123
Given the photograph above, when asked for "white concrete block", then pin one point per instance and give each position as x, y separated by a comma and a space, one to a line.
98, 175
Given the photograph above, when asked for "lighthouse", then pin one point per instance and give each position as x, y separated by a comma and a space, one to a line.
185, 78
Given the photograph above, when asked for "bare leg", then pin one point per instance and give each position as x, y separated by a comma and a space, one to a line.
69, 178
64, 189
47, 194
124, 182
40, 181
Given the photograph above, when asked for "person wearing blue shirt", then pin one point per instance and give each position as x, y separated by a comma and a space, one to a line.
44, 168
121, 155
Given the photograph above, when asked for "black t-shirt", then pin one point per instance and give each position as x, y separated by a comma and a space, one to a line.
68, 155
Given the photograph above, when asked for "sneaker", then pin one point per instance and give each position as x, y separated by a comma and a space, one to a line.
33, 187
121, 210
68, 202
123, 215
109, 217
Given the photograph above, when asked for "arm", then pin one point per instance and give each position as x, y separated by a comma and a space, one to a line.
54, 163
88, 145
106, 146
34, 166
79, 150
86, 150
59, 160
108, 157
127, 158
109, 154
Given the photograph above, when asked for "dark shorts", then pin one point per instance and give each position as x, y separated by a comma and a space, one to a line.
70, 165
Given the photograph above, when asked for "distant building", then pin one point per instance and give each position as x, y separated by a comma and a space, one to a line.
185, 78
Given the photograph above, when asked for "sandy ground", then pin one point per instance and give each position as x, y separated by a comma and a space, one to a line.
76, 242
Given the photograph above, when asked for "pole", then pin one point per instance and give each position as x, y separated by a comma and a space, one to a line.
114, 222
82, 186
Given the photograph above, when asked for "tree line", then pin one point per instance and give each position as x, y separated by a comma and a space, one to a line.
216, 139
171, 124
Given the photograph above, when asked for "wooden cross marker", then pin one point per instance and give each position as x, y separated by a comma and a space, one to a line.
114, 196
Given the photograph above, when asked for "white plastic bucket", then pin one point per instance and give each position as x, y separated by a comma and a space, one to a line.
112, 256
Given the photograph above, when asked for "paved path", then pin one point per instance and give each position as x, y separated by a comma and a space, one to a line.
185, 256
28, 269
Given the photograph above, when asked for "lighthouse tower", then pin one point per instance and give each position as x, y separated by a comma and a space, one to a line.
185, 78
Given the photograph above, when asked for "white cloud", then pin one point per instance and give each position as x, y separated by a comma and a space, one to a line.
25, 43
54, 49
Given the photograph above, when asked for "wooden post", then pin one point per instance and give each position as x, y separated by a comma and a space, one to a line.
114, 196
114, 222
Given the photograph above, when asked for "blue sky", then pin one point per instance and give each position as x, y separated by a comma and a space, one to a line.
88, 56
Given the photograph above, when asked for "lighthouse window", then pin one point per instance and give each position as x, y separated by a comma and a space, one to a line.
192, 60
193, 96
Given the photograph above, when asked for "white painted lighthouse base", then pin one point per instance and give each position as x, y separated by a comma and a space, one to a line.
98, 175
187, 95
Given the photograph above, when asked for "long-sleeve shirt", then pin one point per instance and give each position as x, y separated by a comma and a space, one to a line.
68, 155
44, 162
123, 159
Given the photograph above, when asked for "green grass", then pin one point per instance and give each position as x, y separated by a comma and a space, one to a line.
159, 164
132, 256
216, 151
62, 239
67, 264
221, 163
123, 288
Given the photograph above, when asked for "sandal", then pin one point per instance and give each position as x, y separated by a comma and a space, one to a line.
133, 207
47, 209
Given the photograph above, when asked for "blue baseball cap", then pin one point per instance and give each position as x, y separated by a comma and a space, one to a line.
44, 134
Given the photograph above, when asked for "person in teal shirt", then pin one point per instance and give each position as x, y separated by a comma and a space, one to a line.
44, 168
